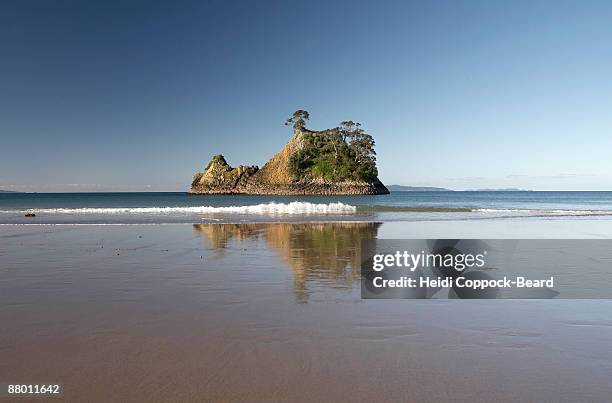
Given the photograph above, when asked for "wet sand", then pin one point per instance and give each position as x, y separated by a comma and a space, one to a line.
272, 312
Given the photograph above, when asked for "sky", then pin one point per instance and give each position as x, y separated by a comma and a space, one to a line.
137, 96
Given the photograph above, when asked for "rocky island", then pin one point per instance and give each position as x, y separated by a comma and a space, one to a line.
338, 161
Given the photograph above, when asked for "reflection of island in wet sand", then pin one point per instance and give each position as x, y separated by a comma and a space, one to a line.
328, 254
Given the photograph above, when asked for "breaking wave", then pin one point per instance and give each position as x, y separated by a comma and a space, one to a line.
543, 212
305, 208
500, 212
266, 208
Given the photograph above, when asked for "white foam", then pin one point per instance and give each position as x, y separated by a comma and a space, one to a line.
545, 212
267, 208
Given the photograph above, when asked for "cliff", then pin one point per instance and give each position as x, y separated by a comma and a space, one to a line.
277, 177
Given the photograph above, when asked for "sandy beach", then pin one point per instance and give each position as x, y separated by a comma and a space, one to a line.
273, 312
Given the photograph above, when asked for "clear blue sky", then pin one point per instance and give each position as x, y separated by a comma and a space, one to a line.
131, 95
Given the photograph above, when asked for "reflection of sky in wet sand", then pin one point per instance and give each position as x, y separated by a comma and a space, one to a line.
328, 254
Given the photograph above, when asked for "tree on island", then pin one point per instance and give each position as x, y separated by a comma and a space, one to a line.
343, 153
298, 119
361, 142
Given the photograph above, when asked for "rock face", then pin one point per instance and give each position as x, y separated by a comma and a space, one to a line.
274, 178
220, 178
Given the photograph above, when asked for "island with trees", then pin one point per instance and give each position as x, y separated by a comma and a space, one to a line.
337, 161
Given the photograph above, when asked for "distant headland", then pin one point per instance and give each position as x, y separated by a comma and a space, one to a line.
402, 188
500, 190
338, 161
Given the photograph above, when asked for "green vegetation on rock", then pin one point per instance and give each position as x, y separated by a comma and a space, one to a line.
344, 153
216, 159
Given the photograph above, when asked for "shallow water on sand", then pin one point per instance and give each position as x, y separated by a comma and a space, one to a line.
272, 312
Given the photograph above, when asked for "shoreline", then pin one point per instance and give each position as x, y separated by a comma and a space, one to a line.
321, 220
491, 228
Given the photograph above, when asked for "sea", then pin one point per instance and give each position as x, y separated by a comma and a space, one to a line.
180, 207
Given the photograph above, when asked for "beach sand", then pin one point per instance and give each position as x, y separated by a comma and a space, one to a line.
273, 312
